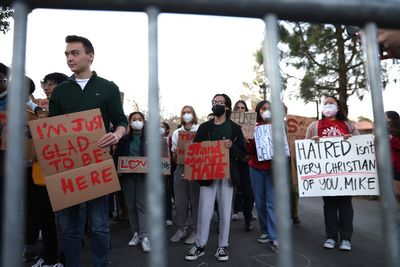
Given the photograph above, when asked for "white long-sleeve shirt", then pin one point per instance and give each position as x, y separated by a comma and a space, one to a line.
175, 135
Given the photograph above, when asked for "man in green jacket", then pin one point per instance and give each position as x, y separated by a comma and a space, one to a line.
84, 90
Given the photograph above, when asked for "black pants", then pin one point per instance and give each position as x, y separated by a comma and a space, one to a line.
338, 213
40, 216
245, 198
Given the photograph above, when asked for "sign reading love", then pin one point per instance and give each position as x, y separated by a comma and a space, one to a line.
140, 165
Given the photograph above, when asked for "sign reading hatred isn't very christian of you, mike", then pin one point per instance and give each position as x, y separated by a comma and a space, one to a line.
337, 167
208, 160
75, 168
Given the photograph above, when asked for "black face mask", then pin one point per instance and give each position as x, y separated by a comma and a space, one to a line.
218, 110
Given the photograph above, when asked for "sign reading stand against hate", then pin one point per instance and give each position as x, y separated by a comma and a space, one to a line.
208, 160
75, 168
337, 167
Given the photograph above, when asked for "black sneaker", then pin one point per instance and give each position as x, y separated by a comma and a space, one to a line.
29, 256
222, 254
194, 253
248, 227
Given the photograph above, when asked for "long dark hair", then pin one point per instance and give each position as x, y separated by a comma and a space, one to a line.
258, 107
394, 123
339, 115
228, 104
240, 102
130, 131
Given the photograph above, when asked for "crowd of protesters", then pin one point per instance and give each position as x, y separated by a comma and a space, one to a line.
189, 205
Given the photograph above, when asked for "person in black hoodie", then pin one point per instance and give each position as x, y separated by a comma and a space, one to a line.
219, 128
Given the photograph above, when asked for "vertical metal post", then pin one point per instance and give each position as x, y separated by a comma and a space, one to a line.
155, 189
14, 187
280, 161
372, 64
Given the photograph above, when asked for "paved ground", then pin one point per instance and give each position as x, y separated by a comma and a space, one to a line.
368, 245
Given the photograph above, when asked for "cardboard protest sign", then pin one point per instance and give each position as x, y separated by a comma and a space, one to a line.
206, 160
75, 168
337, 167
165, 147
297, 127
82, 184
140, 165
69, 141
184, 137
247, 120
264, 145
44, 103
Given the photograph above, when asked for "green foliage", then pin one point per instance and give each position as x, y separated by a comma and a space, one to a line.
5, 14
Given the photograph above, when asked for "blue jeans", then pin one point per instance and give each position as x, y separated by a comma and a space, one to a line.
97, 211
264, 197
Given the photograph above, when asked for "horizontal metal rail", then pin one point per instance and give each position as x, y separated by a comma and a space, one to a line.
385, 13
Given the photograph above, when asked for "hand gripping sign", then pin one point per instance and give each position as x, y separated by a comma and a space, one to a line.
75, 168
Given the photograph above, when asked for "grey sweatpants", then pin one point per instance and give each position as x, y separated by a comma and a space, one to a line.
222, 190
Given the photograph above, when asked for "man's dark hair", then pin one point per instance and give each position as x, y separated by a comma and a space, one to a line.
30, 84
79, 39
55, 77
5, 70
228, 104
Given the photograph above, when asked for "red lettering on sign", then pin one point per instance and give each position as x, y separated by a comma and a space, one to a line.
91, 125
86, 160
94, 177
66, 184
83, 143
97, 155
107, 175
81, 183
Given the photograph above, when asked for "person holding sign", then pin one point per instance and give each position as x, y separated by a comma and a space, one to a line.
262, 182
393, 120
338, 210
84, 90
186, 191
219, 128
133, 184
243, 193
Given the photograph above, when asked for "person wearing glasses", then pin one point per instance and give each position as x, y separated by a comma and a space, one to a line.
219, 128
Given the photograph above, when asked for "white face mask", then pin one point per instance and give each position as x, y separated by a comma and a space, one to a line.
266, 115
162, 131
137, 125
187, 117
329, 110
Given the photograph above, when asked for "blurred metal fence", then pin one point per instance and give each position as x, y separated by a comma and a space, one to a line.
368, 14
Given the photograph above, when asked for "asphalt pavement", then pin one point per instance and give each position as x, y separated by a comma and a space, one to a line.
308, 237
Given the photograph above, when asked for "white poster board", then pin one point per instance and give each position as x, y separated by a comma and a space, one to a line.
337, 167
264, 145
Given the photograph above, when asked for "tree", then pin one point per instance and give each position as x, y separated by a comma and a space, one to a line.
5, 14
328, 59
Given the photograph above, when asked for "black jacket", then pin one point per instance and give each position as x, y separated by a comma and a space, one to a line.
236, 152
123, 149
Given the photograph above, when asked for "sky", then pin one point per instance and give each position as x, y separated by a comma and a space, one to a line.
199, 56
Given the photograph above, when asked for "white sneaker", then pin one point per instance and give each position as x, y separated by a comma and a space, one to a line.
168, 223
329, 243
263, 239
179, 234
235, 217
146, 244
345, 245
191, 239
134, 241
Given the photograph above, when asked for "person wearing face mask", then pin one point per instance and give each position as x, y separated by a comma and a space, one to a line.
262, 184
186, 192
219, 128
133, 184
243, 195
338, 210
